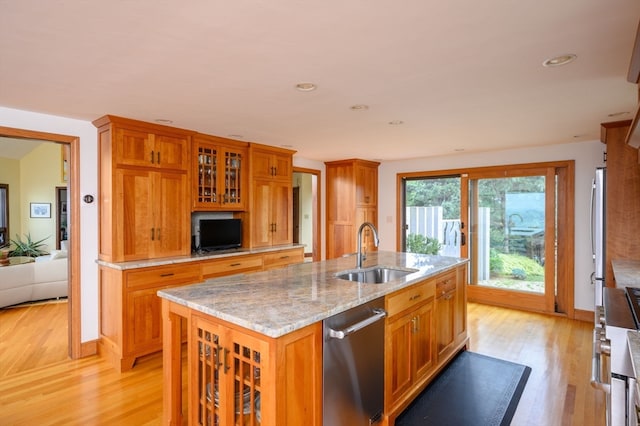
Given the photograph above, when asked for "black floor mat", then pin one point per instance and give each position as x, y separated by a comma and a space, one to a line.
473, 390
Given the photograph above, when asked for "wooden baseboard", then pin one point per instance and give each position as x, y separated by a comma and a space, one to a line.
582, 315
88, 348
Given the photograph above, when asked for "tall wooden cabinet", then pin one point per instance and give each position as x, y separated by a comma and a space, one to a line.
144, 190
352, 198
623, 196
271, 211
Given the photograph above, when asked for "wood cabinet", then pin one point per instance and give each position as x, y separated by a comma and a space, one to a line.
409, 341
623, 197
425, 328
352, 198
220, 174
271, 212
240, 377
130, 320
451, 319
143, 190
282, 258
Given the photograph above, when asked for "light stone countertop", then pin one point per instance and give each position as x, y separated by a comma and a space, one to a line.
626, 272
277, 302
147, 263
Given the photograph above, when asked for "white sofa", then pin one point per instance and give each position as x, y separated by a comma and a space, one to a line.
46, 278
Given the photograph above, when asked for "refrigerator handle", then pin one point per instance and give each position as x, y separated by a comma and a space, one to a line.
592, 219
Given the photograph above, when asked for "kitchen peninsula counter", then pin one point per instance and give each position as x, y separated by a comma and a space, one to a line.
262, 333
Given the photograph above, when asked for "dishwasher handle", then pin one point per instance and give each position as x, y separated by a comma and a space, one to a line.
378, 314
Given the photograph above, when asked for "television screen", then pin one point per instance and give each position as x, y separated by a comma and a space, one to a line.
218, 234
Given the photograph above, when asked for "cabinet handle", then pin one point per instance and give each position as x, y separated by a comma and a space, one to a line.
284, 257
169, 274
151, 157
414, 297
152, 234
226, 364
158, 157
216, 358
235, 264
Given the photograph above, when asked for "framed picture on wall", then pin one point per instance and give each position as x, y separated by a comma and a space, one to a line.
41, 210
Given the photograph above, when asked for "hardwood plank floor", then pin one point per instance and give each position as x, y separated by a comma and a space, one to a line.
90, 392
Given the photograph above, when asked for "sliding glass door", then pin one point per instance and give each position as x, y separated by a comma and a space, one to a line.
514, 223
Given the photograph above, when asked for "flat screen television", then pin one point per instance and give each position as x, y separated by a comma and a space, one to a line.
220, 234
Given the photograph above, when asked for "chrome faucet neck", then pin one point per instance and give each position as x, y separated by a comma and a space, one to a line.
376, 241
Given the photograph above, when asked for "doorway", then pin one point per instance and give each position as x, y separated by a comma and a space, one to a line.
72, 143
513, 222
306, 211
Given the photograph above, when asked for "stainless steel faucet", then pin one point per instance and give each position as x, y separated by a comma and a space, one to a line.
376, 241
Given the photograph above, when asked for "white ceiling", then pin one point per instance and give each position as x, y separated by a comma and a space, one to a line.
460, 74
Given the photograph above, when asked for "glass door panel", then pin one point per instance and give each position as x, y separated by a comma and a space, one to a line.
432, 222
508, 221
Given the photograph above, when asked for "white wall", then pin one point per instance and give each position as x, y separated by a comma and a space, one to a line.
587, 156
87, 134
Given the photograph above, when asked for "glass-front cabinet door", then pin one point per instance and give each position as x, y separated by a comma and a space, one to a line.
220, 172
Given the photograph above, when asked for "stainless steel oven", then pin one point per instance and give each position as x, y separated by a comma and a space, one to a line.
612, 371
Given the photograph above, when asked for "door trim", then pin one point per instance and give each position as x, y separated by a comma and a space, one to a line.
315, 224
76, 349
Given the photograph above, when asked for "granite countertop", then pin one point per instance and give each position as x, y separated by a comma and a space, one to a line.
147, 263
277, 302
626, 272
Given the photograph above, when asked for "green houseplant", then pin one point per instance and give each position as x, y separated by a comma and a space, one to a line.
28, 248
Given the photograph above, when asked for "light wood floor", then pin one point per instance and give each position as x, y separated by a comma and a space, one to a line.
90, 392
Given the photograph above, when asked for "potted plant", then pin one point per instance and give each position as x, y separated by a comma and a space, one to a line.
27, 248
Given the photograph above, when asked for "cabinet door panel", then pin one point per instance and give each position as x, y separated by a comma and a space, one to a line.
143, 321
133, 213
171, 152
399, 357
282, 165
171, 211
423, 340
133, 148
261, 211
261, 165
282, 213
367, 186
445, 310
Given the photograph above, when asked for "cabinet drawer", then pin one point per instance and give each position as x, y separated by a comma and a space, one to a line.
231, 265
161, 276
283, 258
409, 297
445, 283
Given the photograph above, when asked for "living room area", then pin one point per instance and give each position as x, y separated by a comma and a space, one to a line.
33, 221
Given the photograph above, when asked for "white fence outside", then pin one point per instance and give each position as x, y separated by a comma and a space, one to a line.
428, 221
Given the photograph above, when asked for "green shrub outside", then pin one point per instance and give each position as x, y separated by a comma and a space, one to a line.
417, 243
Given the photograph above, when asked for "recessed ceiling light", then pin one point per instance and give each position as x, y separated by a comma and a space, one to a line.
306, 87
459, 149
163, 121
396, 122
559, 60
359, 107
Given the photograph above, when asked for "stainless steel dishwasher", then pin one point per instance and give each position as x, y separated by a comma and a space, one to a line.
353, 366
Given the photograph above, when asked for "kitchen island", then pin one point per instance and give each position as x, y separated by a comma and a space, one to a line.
255, 341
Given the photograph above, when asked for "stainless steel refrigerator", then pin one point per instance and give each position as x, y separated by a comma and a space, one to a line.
598, 213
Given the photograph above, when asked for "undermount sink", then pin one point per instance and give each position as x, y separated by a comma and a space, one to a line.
374, 274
